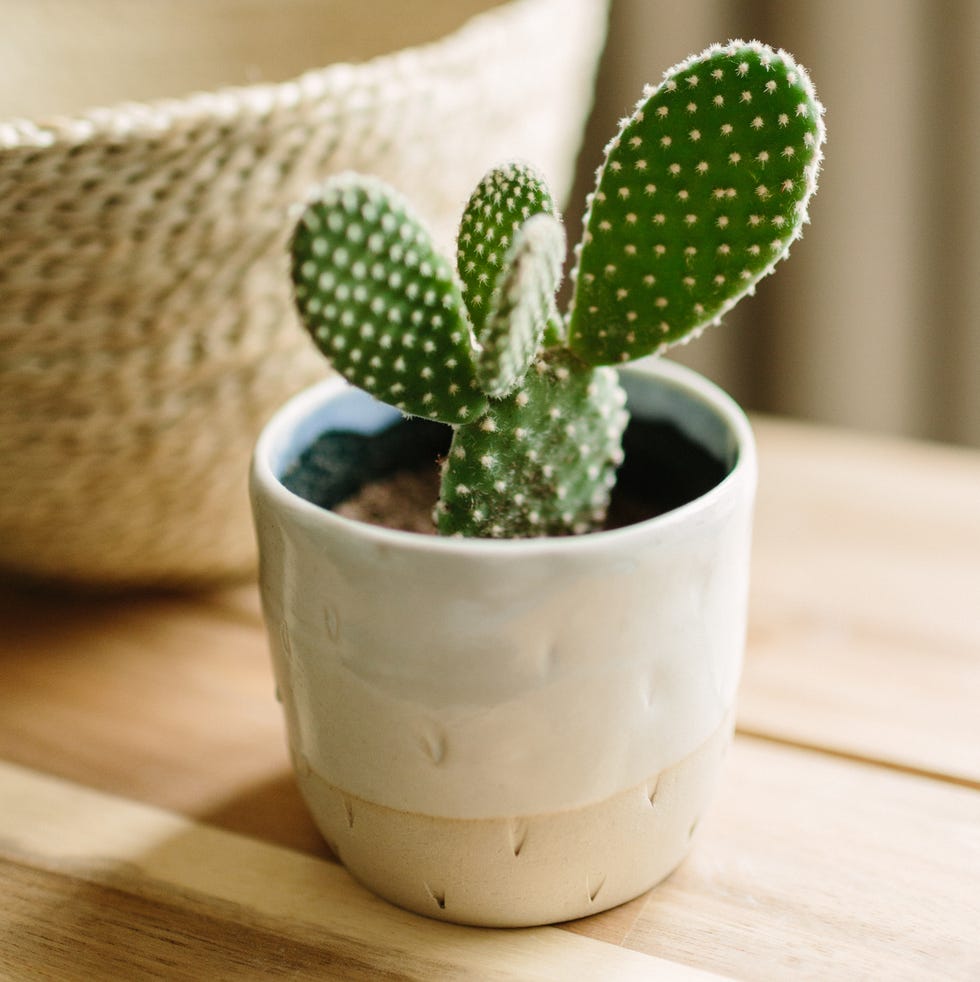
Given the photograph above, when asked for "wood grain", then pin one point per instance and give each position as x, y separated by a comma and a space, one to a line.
810, 867
62, 927
167, 700
864, 630
145, 893
806, 867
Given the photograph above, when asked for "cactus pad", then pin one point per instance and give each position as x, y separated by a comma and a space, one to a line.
703, 190
521, 305
540, 462
382, 303
502, 202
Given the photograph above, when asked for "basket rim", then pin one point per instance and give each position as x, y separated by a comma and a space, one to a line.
128, 119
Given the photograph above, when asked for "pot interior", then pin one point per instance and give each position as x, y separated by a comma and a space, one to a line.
676, 449
689, 407
61, 57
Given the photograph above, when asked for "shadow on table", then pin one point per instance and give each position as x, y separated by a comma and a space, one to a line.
272, 811
67, 927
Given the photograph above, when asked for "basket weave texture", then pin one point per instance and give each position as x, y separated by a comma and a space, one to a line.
146, 323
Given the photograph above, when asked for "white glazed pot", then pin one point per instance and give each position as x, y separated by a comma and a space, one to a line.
508, 732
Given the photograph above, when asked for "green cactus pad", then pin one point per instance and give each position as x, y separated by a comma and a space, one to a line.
382, 303
502, 202
703, 190
540, 462
522, 302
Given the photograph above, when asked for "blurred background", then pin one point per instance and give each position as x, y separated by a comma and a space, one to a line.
874, 322
147, 329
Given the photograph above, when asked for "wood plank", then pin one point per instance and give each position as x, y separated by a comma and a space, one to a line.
60, 927
864, 632
213, 904
164, 699
811, 867
864, 640
806, 867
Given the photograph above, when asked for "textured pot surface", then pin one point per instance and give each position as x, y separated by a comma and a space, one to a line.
486, 683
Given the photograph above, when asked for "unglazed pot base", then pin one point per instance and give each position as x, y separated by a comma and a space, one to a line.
525, 870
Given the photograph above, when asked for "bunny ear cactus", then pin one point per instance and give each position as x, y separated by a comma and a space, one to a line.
701, 193
490, 239
382, 303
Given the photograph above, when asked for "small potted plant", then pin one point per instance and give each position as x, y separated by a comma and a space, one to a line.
520, 720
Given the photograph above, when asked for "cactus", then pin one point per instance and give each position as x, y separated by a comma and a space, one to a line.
701, 193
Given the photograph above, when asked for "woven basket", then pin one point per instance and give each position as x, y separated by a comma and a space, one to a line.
146, 325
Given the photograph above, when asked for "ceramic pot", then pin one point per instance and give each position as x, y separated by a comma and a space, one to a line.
508, 732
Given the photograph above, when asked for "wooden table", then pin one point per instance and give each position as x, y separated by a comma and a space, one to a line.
149, 826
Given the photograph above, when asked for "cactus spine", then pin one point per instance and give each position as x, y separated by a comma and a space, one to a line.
701, 193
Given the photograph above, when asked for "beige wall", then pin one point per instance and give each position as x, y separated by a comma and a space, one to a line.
875, 320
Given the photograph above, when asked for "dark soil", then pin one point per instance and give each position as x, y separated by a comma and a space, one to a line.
392, 478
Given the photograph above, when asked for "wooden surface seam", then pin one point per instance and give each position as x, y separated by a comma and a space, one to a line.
89, 837
889, 765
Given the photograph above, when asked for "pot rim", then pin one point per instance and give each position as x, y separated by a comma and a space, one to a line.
266, 483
